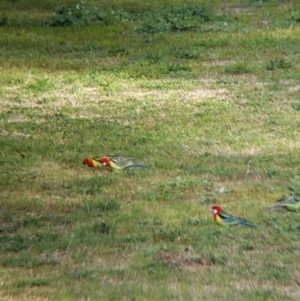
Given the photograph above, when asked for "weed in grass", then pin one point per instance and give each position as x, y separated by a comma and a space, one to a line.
182, 18
187, 54
117, 51
33, 221
238, 68
175, 67
6, 216
106, 85
31, 283
40, 85
132, 239
25, 260
101, 228
97, 228
165, 19
294, 188
3, 20
14, 243
295, 16
278, 64
295, 106
100, 208
77, 14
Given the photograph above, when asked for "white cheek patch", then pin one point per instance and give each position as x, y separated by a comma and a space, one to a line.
104, 163
214, 211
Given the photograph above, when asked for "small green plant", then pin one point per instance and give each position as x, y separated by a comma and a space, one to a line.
278, 64
117, 51
296, 106
40, 85
99, 208
296, 16
31, 221
187, 17
238, 68
3, 20
31, 283
83, 14
175, 67
101, 228
14, 243
65, 16
186, 54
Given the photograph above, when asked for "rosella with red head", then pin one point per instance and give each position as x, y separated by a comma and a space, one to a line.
222, 218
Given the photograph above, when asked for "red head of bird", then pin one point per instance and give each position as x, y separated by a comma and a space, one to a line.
216, 209
88, 162
104, 161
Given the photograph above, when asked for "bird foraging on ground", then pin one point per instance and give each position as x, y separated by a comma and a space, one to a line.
119, 163
290, 203
91, 163
222, 218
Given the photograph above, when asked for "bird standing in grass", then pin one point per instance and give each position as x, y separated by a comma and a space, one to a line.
224, 219
119, 163
91, 163
290, 203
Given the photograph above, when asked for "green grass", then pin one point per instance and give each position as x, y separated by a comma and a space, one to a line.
206, 93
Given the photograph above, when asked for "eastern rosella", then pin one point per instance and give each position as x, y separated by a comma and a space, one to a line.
119, 163
290, 203
224, 219
91, 163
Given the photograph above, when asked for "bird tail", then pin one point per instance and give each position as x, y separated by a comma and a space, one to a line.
136, 165
280, 206
247, 224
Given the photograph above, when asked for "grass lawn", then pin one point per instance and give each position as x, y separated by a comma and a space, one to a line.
207, 93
